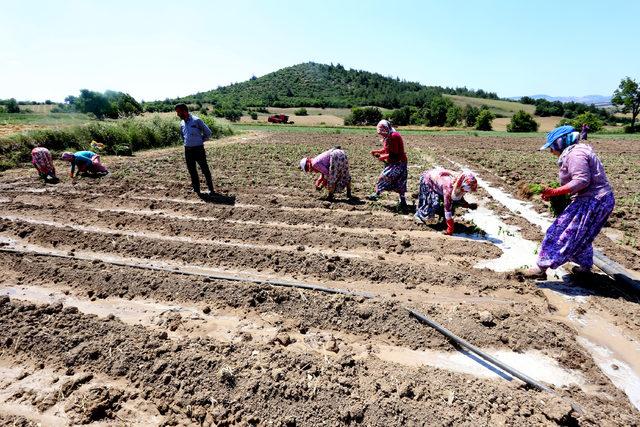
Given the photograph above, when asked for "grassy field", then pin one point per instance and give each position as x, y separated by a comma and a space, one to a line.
504, 108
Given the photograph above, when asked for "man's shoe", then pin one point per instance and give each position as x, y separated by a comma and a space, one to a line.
373, 197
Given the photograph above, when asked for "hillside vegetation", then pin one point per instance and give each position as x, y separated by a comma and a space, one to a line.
319, 85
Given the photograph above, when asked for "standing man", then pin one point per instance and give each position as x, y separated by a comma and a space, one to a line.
195, 133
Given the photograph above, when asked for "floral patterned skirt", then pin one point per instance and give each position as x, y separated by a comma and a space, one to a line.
571, 235
393, 178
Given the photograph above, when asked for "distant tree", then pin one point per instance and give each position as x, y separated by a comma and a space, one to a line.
483, 121
367, 116
401, 116
628, 97
95, 103
590, 119
469, 115
126, 105
48, 102
301, 112
527, 100
110, 104
454, 116
522, 122
438, 111
12, 106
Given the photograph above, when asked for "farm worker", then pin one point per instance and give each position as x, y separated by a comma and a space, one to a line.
441, 188
582, 176
333, 167
194, 133
43, 162
394, 174
85, 161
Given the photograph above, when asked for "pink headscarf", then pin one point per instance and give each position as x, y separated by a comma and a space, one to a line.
67, 156
466, 182
384, 128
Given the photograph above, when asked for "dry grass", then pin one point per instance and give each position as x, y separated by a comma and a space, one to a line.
505, 108
545, 123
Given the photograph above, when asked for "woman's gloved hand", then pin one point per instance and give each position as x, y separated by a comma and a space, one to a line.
450, 226
548, 193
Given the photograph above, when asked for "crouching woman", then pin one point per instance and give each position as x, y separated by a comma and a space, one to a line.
441, 190
333, 167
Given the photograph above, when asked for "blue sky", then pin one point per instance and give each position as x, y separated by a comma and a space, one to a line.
158, 49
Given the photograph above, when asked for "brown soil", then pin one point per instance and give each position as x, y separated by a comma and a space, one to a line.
85, 340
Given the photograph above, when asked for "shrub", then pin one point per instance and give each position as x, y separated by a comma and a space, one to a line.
110, 104
401, 116
588, 118
119, 137
254, 115
483, 121
12, 106
301, 112
470, 114
367, 116
631, 129
454, 116
522, 122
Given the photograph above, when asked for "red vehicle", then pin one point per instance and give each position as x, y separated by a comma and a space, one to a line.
279, 118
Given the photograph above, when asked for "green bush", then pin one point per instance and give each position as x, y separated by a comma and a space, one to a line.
401, 116
301, 112
522, 122
254, 115
483, 121
590, 119
454, 116
12, 106
469, 115
231, 114
121, 137
366, 116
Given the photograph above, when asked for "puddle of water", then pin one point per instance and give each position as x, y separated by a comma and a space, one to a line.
532, 363
619, 372
516, 251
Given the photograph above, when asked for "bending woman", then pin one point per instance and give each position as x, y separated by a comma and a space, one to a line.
333, 167
441, 189
581, 175
394, 174
43, 162
85, 161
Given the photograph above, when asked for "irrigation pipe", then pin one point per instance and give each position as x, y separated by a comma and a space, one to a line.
616, 271
460, 342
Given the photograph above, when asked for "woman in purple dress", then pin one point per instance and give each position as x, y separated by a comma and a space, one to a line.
582, 176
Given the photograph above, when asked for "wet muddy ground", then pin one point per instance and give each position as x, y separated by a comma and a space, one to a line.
128, 300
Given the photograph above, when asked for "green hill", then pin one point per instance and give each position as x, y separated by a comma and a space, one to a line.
319, 85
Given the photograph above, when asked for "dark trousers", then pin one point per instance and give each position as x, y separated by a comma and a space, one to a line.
197, 155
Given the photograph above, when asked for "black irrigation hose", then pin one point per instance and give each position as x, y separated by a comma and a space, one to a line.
616, 271
472, 348
299, 285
